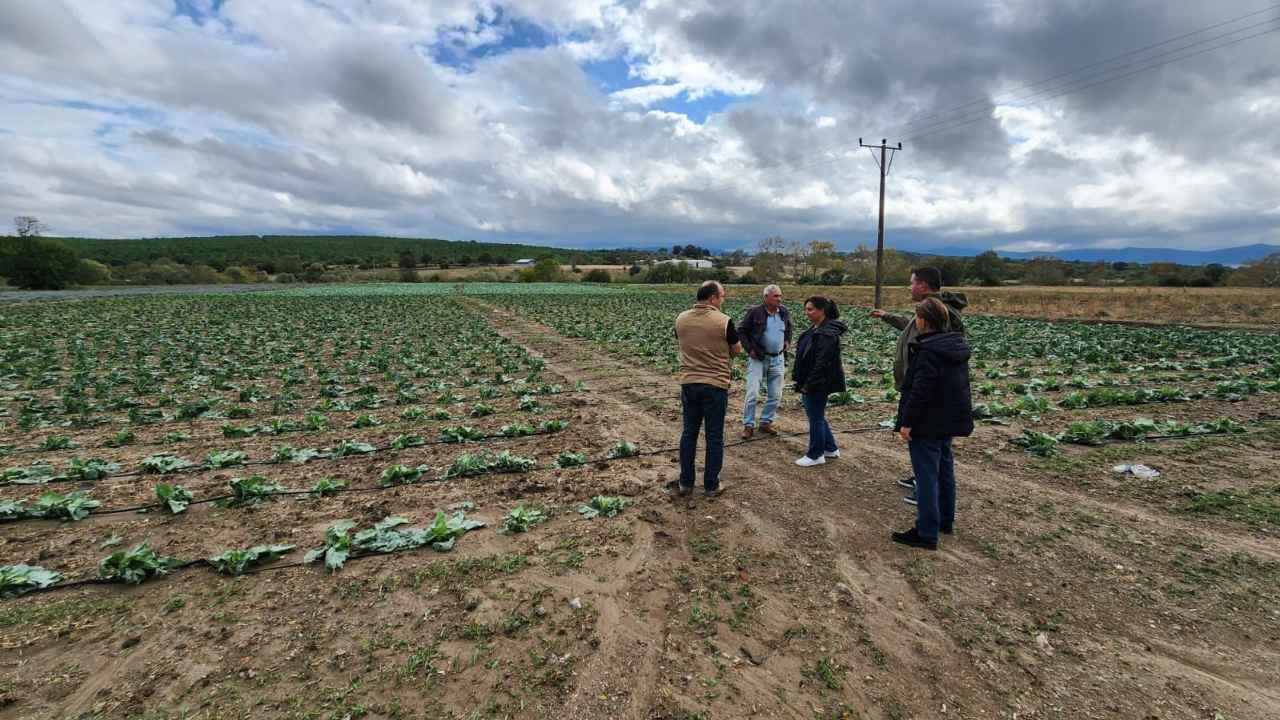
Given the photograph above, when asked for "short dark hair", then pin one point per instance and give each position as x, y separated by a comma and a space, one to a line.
935, 314
825, 304
931, 276
708, 290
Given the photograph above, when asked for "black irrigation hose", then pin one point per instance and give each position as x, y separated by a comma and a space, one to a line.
199, 468
390, 424
380, 488
72, 584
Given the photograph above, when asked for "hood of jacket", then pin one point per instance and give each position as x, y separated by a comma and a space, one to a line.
957, 301
950, 346
831, 328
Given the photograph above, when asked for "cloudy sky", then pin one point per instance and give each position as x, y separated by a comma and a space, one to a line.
603, 123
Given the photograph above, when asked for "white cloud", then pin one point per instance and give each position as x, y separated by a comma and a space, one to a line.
121, 119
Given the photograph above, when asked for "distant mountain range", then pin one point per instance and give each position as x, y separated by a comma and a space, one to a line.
1223, 256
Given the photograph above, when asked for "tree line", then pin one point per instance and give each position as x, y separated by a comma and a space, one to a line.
29, 260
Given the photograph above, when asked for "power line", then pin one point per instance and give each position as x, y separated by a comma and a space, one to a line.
1022, 88
957, 122
1098, 63
964, 119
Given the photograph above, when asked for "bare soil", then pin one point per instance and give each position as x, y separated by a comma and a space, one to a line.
1066, 592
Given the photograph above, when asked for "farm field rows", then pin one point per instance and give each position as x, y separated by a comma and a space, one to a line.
450, 501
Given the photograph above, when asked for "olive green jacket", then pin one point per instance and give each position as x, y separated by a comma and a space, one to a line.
955, 302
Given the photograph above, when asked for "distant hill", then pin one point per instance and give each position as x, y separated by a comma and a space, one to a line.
1224, 256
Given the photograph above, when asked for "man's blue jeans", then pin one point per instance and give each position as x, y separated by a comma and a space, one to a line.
772, 368
702, 405
820, 438
935, 470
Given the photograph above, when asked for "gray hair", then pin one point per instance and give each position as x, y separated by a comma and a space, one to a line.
768, 288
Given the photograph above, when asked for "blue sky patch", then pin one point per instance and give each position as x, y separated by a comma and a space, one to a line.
698, 110
134, 112
192, 9
515, 33
612, 75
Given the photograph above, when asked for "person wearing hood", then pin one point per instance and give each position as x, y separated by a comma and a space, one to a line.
926, 282
817, 374
934, 407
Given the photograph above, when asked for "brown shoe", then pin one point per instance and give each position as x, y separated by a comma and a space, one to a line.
767, 429
748, 431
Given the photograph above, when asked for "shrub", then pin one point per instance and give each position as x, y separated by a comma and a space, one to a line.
33, 263
597, 276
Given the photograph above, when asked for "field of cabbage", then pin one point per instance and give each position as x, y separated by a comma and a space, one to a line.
448, 500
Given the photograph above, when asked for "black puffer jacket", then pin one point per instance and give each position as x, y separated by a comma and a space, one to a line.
935, 400
818, 368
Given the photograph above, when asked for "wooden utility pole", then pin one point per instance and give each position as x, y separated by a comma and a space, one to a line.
884, 165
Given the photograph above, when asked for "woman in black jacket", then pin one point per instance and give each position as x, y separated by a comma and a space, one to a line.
934, 407
818, 372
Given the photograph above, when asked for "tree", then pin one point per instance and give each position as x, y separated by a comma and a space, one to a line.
407, 260
36, 263
28, 226
822, 258
547, 269
92, 272
634, 270
1260, 273
598, 275
988, 268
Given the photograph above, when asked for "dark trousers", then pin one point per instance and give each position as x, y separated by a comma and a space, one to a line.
702, 405
820, 438
934, 466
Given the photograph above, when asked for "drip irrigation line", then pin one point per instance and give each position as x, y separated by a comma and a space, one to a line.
390, 424
200, 467
379, 488
274, 567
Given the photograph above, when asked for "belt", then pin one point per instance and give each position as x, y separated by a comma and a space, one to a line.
773, 354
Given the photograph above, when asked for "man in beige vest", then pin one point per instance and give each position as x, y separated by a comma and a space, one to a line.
708, 342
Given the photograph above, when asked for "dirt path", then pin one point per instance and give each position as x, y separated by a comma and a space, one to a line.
847, 620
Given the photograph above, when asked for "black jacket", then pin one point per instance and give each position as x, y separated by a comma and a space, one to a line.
818, 368
935, 401
751, 329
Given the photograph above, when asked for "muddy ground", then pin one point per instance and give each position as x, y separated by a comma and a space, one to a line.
1066, 592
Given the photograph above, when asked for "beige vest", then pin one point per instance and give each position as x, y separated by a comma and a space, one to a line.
704, 353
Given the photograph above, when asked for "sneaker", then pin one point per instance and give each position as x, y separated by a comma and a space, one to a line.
684, 491
832, 455
806, 461
767, 429
913, 539
911, 500
908, 483
748, 431
712, 494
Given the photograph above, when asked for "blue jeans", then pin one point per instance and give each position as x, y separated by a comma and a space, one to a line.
774, 368
702, 405
935, 470
820, 438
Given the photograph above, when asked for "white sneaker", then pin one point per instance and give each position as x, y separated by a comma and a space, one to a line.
806, 461
833, 454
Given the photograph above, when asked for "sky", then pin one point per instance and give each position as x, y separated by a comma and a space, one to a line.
1027, 125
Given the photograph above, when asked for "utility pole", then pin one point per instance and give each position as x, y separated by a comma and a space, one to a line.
884, 165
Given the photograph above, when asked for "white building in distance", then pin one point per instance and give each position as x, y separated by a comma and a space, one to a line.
697, 264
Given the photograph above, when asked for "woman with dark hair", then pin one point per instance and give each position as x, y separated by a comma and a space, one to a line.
935, 406
818, 373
